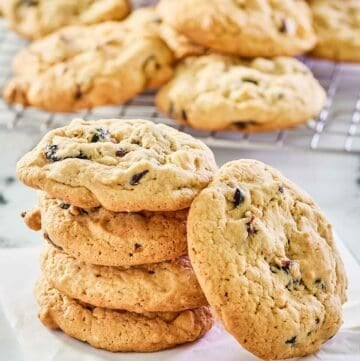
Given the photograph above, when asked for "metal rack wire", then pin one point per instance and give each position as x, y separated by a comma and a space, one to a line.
337, 128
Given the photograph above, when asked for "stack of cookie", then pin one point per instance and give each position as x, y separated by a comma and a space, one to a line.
113, 209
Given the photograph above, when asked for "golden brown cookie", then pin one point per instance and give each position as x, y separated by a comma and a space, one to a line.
120, 331
337, 25
217, 92
126, 165
86, 66
248, 28
99, 236
34, 19
179, 44
162, 287
265, 257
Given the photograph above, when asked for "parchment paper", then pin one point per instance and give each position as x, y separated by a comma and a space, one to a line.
19, 270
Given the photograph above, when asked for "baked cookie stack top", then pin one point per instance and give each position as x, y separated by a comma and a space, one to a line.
113, 208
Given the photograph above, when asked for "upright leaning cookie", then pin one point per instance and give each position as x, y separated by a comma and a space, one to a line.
120, 330
123, 165
337, 25
35, 19
216, 92
247, 28
266, 260
85, 66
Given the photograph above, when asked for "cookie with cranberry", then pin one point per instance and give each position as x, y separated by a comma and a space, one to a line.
247, 28
102, 237
120, 331
124, 165
219, 92
265, 257
162, 287
80, 67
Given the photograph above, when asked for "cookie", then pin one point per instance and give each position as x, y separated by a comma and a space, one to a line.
34, 19
263, 28
102, 237
217, 92
120, 330
124, 165
265, 257
163, 287
180, 45
80, 67
337, 25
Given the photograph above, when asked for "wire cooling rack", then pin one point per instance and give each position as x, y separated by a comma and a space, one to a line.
337, 128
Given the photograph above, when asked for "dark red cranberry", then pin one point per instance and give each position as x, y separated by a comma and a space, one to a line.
238, 197
135, 179
250, 80
50, 152
184, 115
64, 205
121, 153
250, 226
291, 341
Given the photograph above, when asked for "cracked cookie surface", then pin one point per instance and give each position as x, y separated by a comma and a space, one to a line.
120, 330
124, 165
337, 25
248, 28
217, 92
163, 287
265, 257
81, 67
102, 237
37, 18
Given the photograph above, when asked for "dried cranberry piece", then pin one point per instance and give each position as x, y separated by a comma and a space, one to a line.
78, 92
135, 179
184, 115
121, 153
286, 264
250, 80
250, 226
81, 155
50, 152
100, 135
238, 197
64, 205
291, 341
242, 125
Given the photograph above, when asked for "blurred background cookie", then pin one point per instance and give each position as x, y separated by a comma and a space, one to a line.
337, 25
217, 92
34, 19
245, 28
85, 66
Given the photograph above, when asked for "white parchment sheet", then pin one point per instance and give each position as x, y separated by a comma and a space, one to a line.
20, 268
